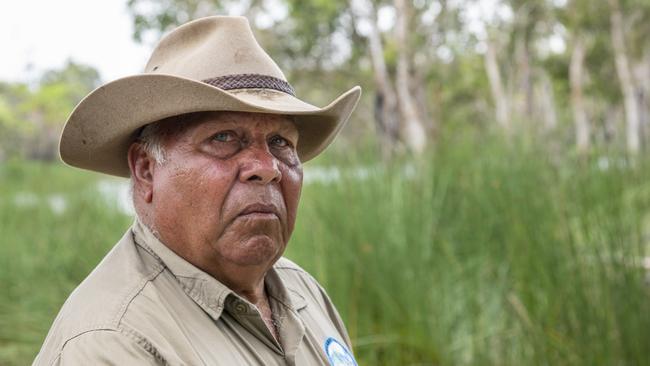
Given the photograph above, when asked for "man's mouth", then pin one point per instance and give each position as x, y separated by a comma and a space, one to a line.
261, 211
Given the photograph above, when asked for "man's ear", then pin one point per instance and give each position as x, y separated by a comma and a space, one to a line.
142, 167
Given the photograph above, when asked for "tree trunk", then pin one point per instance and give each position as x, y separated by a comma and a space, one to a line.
613, 116
576, 78
386, 118
642, 75
525, 81
414, 133
625, 78
546, 105
496, 86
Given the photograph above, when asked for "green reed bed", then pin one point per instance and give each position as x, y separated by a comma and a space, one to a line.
46, 247
486, 254
480, 254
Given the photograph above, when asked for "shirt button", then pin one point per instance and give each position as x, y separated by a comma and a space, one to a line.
241, 308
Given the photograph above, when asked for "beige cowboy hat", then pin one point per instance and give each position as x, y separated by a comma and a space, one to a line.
210, 64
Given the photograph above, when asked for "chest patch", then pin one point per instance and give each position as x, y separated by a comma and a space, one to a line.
337, 354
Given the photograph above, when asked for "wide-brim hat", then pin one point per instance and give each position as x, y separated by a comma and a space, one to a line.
210, 64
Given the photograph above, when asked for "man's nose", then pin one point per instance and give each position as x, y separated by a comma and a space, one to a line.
259, 166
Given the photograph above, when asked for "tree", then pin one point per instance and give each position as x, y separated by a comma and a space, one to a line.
414, 133
576, 77
626, 79
31, 118
582, 19
493, 71
385, 101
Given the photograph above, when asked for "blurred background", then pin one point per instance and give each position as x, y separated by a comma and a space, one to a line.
487, 204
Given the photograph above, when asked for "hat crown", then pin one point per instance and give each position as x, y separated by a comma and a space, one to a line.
212, 47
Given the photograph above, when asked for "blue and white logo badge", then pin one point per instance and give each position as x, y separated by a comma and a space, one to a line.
338, 354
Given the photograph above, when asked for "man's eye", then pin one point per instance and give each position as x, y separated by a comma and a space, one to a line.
224, 137
279, 141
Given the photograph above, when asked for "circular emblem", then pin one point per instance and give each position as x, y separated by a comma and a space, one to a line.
338, 354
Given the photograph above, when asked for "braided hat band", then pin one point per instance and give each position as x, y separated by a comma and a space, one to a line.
250, 81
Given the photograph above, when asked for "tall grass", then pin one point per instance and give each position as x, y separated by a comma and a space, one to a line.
486, 254
46, 249
483, 253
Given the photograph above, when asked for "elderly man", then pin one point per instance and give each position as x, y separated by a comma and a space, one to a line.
213, 139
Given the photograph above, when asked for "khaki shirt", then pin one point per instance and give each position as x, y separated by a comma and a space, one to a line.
144, 304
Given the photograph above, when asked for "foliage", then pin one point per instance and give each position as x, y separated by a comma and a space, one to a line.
485, 253
31, 117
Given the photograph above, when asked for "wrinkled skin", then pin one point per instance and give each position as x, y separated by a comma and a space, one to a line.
216, 166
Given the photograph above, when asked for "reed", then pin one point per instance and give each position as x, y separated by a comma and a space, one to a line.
482, 253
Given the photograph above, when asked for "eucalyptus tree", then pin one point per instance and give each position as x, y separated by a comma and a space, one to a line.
626, 79
513, 34
311, 38
583, 21
631, 47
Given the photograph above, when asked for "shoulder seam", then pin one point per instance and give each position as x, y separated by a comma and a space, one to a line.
136, 291
155, 271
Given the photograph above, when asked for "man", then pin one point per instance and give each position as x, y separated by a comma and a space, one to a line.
213, 139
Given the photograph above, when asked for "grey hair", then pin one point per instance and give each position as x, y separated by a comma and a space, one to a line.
151, 138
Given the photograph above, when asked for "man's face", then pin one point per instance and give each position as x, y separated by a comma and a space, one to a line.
229, 189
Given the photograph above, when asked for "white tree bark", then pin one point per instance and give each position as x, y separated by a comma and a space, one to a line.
546, 105
496, 86
386, 99
642, 76
576, 78
524, 97
625, 78
414, 132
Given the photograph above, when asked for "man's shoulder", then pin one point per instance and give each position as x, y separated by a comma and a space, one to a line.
102, 299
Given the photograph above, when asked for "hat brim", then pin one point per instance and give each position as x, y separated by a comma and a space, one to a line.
102, 126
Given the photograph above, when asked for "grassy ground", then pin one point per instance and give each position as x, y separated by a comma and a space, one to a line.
481, 254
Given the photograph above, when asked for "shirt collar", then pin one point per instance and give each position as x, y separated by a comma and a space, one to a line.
205, 290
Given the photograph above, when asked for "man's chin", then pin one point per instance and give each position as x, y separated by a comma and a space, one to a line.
255, 250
